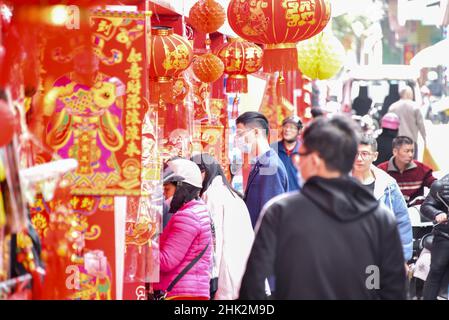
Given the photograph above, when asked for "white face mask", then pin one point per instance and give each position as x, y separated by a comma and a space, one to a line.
168, 201
242, 144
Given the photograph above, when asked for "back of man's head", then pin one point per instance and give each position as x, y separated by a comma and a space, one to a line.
407, 93
399, 141
254, 120
336, 141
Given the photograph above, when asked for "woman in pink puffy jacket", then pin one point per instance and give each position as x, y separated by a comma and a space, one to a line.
186, 236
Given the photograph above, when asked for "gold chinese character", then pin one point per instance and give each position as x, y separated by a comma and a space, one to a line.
132, 150
135, 71
132, 133
74, 202
87, 204
133, 102
133, 117
104, 26
134, 57
133, 87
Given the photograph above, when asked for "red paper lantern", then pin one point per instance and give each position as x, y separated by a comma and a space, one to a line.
170, 55
240, 58
208, 67
279, 25
8, 124
207, 16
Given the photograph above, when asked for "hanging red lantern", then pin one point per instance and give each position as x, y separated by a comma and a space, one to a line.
8, 124
240, 58
208, 67
279, 25
170, 55
207, 16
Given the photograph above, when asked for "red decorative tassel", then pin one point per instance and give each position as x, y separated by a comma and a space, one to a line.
237, 83
161, 88
235, 108
280, 57
281, 86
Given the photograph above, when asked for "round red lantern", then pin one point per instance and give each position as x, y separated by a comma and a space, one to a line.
240, 58
208, 67
279, 25
207, 16
8, 124
170, 55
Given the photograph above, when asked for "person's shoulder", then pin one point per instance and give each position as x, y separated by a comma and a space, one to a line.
381, 174
276, 145
422, 166
383, 166
285, 200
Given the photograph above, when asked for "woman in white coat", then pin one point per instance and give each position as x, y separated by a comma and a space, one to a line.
234, 234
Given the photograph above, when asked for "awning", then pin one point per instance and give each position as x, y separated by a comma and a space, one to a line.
433, 56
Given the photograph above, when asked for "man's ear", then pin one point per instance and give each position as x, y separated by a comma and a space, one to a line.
395, 152
316, 160
376, 154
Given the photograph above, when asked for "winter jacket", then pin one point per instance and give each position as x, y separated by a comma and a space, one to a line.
385, 145
386, 190
234, 236
187, 233
292, 172
433, 205
411, 119
328, 241
267, 179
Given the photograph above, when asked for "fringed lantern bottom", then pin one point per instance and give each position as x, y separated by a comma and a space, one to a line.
161, 88
237, 83
280, 57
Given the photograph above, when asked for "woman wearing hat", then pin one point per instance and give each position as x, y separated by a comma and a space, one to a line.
186, 242
390, 128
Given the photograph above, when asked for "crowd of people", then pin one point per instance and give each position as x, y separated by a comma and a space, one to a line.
323, 216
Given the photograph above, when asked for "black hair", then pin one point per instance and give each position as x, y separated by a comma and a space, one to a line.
369, 140
399, 141
212, 169
336, 141
184, 193
254, 120
316, 112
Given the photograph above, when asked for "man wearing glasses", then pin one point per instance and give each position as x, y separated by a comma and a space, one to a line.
384, 188
331, 240
288, 148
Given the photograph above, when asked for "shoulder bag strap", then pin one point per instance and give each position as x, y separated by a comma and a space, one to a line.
186, 269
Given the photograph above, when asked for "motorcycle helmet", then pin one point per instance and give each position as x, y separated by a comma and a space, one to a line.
390, 121
293, 119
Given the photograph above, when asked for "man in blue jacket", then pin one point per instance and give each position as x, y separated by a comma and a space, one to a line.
268, 177
385, 189
287, 149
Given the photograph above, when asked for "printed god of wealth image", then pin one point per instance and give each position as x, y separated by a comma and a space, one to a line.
85, 108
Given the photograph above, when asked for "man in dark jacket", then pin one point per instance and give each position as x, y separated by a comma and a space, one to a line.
268, 177
288, 147
332, 240
435, 208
